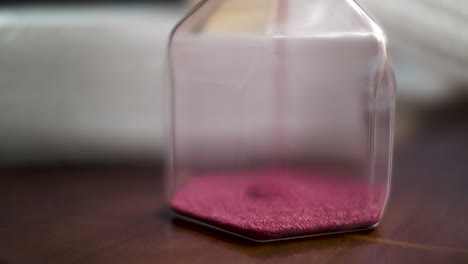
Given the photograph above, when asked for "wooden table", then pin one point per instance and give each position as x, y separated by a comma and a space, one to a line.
116, 214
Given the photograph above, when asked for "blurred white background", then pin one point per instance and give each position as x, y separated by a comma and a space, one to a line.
86, 83
82, 83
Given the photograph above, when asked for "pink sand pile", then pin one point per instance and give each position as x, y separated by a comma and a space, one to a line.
278, 203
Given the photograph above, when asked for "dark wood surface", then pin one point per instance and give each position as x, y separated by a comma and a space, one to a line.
116, 214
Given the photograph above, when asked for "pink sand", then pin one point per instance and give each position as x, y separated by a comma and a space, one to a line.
278, 203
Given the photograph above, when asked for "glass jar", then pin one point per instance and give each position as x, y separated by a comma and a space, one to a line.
282, 116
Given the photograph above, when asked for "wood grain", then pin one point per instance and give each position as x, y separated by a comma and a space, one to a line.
117, 214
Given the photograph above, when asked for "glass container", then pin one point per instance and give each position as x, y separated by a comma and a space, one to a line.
282, 116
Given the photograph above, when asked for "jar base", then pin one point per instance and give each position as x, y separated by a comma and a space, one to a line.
188, 219
271, 204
